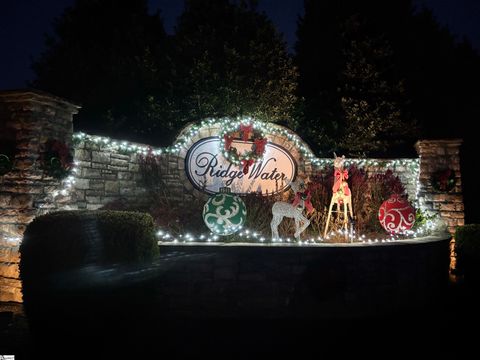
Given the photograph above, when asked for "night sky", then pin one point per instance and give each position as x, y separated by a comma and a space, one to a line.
23, 24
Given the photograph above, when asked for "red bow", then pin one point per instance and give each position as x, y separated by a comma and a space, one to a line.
246, 130
305, 196
260, 146
443, 178
340, 176
228, 141
246, 165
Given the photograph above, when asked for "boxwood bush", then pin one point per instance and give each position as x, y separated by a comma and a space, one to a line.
467, 249
64, 242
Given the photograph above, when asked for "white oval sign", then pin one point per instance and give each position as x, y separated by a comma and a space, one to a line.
208, 170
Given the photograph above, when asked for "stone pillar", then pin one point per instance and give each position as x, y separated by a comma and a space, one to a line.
28, 118
436, 155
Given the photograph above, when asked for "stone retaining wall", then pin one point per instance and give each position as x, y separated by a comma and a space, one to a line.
325, 281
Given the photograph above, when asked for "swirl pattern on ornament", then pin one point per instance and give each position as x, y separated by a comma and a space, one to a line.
396, 215
225, 213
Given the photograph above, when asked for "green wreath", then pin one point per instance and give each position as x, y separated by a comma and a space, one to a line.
57, 161
244, 132
444, 180
5, 164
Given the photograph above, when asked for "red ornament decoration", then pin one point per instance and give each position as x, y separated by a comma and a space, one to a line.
396, 215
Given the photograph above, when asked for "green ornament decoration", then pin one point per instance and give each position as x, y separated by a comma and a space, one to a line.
224, 213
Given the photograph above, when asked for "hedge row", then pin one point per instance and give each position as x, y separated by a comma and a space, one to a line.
57, 245
467, 249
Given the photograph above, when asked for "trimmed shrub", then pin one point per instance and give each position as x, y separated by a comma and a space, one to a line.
59, 245
68, 239
467, 248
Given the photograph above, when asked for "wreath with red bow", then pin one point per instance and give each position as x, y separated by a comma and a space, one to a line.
443, 180
7, 155
244, 132
57, 160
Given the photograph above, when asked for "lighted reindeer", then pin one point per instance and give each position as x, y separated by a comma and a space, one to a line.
294, 210
341, 193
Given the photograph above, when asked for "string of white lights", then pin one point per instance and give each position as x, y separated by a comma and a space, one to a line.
165, 237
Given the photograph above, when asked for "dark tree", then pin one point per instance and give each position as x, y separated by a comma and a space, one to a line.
425, 74
231, 61
109, 56
373, 102
352, 93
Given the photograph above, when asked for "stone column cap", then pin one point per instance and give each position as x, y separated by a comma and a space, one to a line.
37, 96
437, 142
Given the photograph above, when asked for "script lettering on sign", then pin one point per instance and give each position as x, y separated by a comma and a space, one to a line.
208, 170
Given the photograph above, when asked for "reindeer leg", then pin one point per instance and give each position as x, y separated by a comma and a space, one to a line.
274, 226
305, 223
345, 218
328, 218
350, 206
297, 226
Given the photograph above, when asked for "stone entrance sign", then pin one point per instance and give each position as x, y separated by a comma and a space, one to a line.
208, 170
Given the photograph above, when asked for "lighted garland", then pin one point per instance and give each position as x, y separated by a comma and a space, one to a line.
246, 132
429, 227
228, 124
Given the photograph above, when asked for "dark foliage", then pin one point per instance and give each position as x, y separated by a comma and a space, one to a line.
231, 61
135, 82
68, 239
467, 249
398, 52
109, 56
168, 212
71, 264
